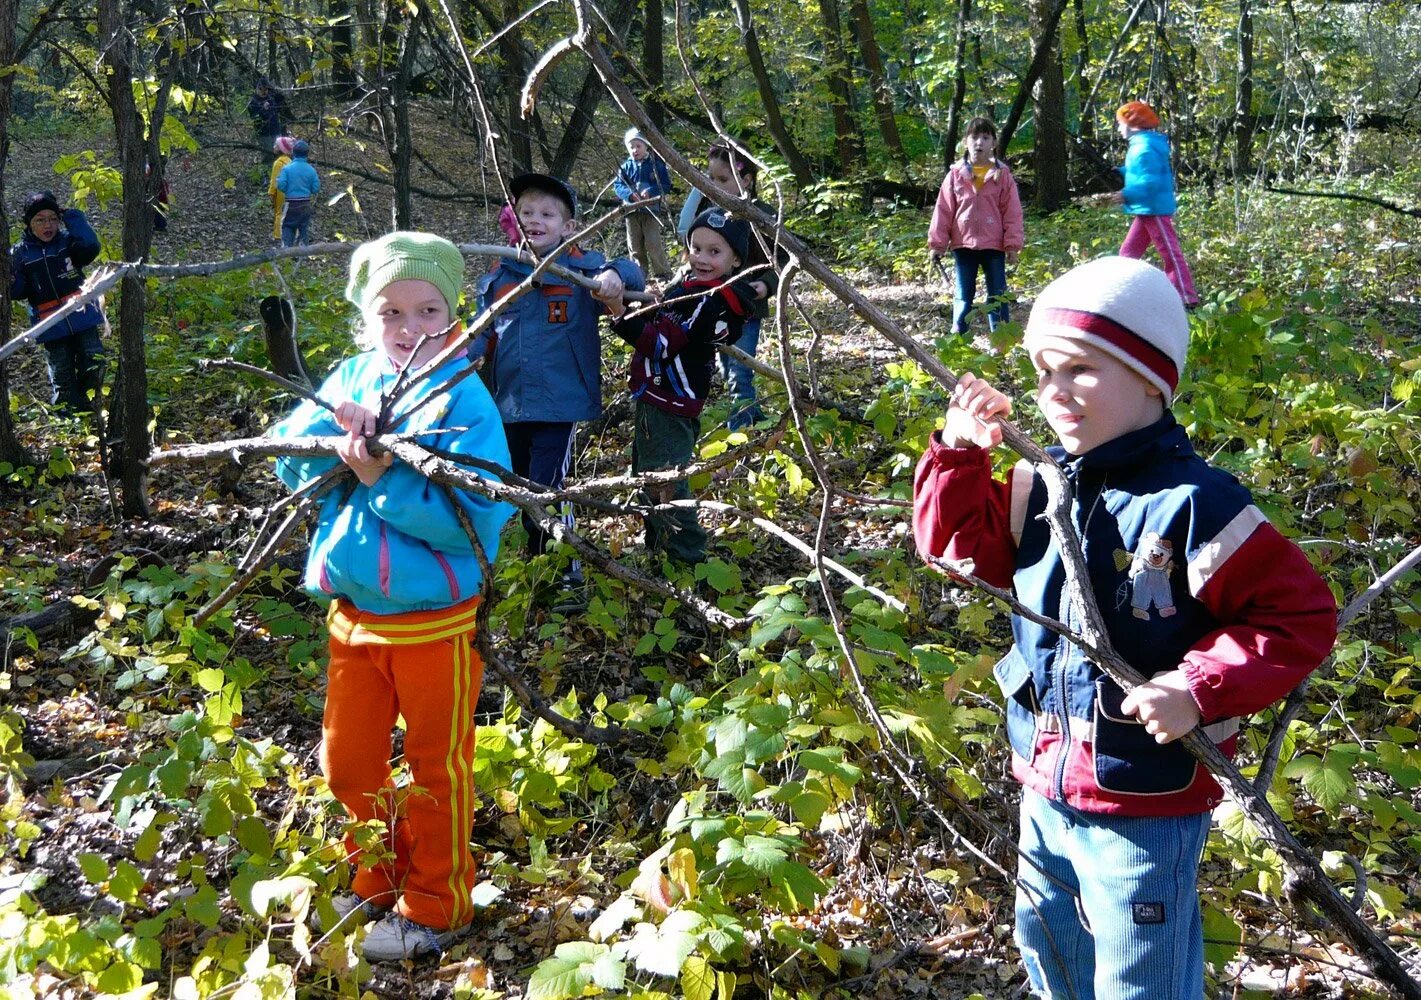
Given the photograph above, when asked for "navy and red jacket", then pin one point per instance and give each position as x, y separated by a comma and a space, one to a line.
47, 275
675, 343
1188, 574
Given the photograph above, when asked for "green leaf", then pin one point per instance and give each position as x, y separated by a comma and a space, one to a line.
1220, 927
252, 834
126, 882
94, 867
569, 971
697, 979
121, 977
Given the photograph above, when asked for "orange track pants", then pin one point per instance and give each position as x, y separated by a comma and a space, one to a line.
423, 666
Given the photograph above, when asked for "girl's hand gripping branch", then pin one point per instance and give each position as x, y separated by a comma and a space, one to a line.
359, 424
972, 414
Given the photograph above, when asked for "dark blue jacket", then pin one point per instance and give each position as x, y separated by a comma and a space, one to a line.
1188, 574
46, 275
648, 176
542, 357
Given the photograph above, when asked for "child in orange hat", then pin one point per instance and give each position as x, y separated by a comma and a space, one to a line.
1148, 196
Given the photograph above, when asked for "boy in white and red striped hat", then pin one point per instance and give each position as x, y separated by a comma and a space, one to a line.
1199, 593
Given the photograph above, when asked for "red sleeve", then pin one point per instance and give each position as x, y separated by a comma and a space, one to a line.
1280, 621
961, 512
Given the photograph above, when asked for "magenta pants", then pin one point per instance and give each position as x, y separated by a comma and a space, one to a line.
1159, 231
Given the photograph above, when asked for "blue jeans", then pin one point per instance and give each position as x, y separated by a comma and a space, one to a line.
76, 368
1138, 884
993, 264
740, 378
296, 223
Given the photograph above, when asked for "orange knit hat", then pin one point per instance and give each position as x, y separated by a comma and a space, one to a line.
1137, 114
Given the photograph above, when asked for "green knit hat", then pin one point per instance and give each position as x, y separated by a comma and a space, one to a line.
397, 256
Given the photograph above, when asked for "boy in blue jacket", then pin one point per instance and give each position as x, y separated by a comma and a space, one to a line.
47, 270
299, 184
392, 553
542, 356
1199, 593
1148, 197
643, 177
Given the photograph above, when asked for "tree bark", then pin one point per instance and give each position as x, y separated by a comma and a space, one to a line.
1045, 42
848, 144
343, 79
878, 82
397, 130
798, 164
653, 59
520, 145
10, 449
1052, 186
959, 86
584, 106
1087, 125
1243, 96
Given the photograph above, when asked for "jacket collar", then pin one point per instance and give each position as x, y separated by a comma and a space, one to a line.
1163, 437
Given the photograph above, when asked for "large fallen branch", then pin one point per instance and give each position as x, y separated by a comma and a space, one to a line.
1305, 878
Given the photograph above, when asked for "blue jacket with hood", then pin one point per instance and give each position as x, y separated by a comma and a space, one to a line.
1149, 178
48, 274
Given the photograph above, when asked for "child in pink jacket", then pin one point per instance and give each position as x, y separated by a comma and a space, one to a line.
978, 218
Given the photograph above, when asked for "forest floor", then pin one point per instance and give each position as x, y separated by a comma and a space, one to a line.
59, 533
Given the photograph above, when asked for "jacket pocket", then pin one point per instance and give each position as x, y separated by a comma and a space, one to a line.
1128, 761
1013, 674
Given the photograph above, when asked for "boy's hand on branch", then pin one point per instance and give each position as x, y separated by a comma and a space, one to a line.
609, 287
1164, 705
972, 414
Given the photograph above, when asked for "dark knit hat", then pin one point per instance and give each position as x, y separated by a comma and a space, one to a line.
300, 148
398, 256
735, 231
546, 184
37, 201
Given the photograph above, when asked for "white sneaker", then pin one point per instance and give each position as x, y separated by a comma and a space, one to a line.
350, 910
396, 938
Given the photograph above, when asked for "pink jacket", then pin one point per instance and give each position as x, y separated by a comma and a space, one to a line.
965, 218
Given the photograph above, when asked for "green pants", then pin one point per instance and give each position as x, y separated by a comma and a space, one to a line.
664, 440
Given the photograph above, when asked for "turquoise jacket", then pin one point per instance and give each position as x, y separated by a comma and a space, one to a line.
1149, 179
298, 179
397, 546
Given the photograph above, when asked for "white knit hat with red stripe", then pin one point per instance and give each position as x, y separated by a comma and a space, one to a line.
1124, 307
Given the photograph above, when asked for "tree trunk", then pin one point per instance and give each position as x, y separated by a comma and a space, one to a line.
1087, 125
1049, 22
135, 148
1243, 98
398, 135
847, 141
520, 146
878, 82
959, 86
584, 107
10, 449
653, 59
798, 165
342, 42
1050, 145
1088, 105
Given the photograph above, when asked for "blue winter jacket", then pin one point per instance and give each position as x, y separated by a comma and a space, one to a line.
46, 275
398, 546
1149, 179
648, 176
298, 180
542, 357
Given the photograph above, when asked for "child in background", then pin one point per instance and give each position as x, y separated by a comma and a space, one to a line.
300, 184
1148, 196
738, 176
282, 148
47, 270
671, 367
978, 218
542, 356
405, 583
643, 177
1199, 592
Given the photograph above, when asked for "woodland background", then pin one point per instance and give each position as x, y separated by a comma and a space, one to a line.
777, 779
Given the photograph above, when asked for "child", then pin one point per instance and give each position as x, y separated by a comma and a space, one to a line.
643, 177
736, 175
1199, 593
978, 218
542, 357
300, 184
46, 269
672, 364
406, 583
1148, 195
282, 148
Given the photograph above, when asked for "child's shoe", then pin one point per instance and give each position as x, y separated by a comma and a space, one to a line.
397, 938
351, 909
